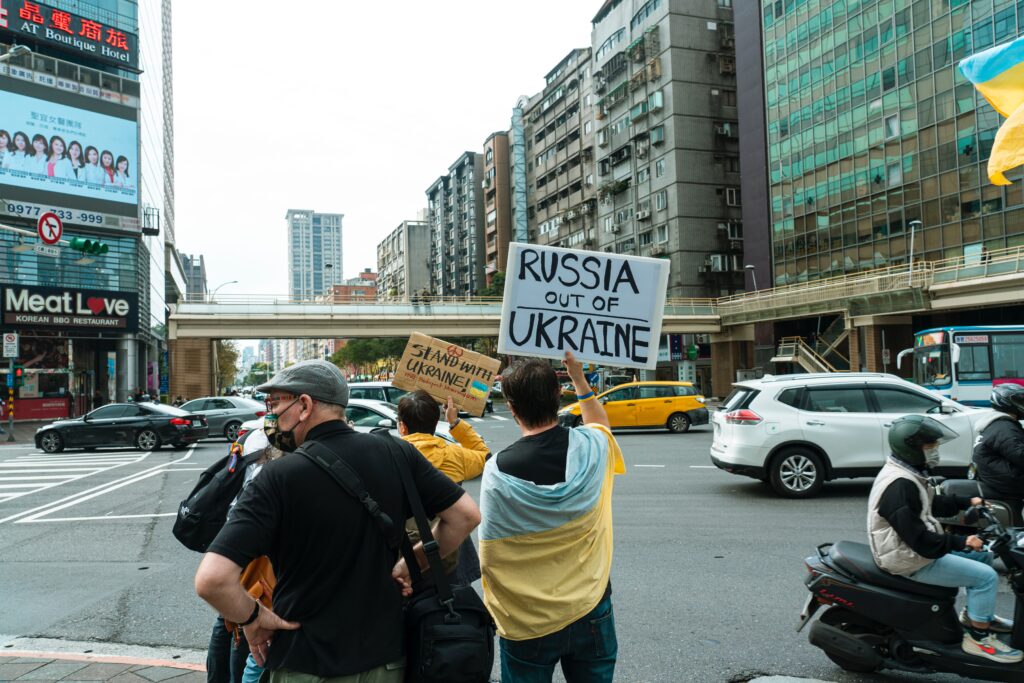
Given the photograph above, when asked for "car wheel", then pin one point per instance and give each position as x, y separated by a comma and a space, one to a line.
678, 423
147, 440
797, 473
51, 442
231, 431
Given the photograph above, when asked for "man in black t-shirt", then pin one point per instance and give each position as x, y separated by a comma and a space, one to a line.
337, 608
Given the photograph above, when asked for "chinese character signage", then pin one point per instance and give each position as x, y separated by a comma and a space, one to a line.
78, 309
57, 28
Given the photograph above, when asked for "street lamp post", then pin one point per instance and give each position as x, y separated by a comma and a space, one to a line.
753, 274
223, 284
910, 268
15, 51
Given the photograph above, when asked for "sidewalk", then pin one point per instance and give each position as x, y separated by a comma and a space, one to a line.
24, 435
41, 667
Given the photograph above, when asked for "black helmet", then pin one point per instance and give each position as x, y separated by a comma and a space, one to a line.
910, 432
1009, 398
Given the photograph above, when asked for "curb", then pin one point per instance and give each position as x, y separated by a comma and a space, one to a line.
108, 659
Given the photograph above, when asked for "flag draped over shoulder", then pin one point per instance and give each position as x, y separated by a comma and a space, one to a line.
998, 74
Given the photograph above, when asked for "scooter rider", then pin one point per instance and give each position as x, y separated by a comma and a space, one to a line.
999, 450
908, 541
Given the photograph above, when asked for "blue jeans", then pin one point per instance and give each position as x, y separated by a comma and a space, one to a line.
225, 659
586, 649
972, 570
252, 672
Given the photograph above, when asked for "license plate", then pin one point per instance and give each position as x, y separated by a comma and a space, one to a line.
196, 423
810, 607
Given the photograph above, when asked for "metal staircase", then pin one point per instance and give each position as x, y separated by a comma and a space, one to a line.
826, 345
796, 350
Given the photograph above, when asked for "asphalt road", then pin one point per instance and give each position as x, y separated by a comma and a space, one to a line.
707, 579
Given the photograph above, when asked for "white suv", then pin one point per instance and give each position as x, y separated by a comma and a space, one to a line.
799, 431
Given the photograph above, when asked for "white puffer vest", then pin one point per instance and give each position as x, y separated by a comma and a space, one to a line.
889, 550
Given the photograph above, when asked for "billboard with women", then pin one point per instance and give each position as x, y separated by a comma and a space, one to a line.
69, 153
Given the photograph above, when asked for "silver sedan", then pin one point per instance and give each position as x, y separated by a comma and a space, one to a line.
225, 414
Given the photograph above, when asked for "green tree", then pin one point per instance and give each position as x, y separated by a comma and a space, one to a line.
258, 373
227, 361
497, 286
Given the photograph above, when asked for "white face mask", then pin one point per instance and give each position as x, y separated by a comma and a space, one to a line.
931, 456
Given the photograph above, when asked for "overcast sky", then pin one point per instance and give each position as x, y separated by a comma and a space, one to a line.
341, 107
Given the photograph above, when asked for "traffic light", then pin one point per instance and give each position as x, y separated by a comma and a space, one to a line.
87, 246
19, 376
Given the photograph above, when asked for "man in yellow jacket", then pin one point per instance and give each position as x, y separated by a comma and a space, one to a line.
418, 415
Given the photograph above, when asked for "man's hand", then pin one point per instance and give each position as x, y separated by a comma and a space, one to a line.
977, 500
260, 633
400, 573
451, 411
974, 543
575, 370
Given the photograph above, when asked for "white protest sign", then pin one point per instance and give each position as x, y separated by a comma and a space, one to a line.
605, 308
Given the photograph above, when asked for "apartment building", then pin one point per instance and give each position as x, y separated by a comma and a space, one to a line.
403, 263
666, 139
456, 219
497, 195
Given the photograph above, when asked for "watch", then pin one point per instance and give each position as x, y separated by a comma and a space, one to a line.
452, 425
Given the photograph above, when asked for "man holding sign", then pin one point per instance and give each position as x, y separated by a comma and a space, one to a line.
546, 534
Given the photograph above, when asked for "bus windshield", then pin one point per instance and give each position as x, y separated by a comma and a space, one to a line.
931, 366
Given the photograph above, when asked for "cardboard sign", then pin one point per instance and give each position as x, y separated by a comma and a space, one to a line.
605, 308
443, 369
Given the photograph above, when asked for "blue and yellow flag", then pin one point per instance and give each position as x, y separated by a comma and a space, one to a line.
998, 74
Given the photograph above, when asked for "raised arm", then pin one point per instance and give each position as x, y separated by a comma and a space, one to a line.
591, 409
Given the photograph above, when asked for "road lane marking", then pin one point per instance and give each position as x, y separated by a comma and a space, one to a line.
499, 417
94, 519
76, 496
648, 465
703, 467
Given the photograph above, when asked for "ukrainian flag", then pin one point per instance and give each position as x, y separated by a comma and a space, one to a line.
998, 74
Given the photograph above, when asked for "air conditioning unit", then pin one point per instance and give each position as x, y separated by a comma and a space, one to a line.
724, 130
585, 208
728, 67
641, 152
729, 43
736, 244
616, 228
570, 214
657, 250
643, 215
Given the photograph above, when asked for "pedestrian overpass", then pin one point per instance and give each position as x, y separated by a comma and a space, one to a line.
262, 317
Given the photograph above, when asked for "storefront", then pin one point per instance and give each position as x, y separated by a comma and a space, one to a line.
73, 343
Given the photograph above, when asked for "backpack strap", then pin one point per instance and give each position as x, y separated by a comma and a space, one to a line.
342, 473
430, 547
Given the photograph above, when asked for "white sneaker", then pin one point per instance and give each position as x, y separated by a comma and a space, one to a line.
990, 647
997, 625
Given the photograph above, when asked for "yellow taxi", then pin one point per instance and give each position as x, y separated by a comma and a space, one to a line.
674, 406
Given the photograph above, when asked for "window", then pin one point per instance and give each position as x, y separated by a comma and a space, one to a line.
218, 404
974, 363
642, 175
1008, 356
661, 233
837, 400
894, 174
587, 127
659, 168
609, 223
372, 393
791, 397
360, 416
193, 405
106, 412
661, 200
892, 400
732, 196
624, 394
646, 238
685, 391
657, 135
657, 391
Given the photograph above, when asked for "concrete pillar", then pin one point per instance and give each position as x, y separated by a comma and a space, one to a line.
730, 351
127, 367
872, 336
192, 367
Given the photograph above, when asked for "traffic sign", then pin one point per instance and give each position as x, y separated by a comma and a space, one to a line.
50, 228
46, 250
10, 344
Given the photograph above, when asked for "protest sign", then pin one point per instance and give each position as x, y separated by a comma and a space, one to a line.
605, 308
443, 369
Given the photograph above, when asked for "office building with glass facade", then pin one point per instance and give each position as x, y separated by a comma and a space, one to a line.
861, 137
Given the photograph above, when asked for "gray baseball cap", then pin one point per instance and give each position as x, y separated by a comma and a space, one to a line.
320, 380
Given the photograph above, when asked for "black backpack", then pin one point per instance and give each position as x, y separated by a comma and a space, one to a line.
204, 511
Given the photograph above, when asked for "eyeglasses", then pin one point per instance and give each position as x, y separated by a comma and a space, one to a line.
271, 403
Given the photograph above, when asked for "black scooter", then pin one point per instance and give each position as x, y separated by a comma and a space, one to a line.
876, 620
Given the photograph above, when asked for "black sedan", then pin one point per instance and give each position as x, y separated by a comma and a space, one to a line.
147, 426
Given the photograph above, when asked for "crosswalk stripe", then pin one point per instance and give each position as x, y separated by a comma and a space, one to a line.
499, 417
477, 419
33, 472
